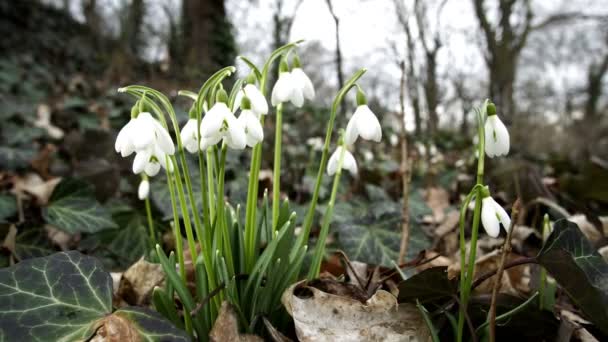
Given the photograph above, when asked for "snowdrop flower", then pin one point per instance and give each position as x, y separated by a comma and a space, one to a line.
150, 161
143, 132
189, 136
287, 88
258, 102
301, 80
220, 123
348, 163
144, 189
496, 134
251, 122
363, 123
492, 215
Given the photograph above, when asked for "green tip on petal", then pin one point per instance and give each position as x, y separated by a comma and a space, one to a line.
485, 192
296, 61
283, 67
491, 109
135, 110
251, 79
245, 103
192, 112
221, 96
361, 99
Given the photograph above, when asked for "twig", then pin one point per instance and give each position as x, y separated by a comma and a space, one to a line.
514, 263
467, 319
405, 171
506, 249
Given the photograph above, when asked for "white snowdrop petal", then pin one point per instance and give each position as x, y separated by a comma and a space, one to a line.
141, 160
305, 83
236, 138
368, 124
152, 169
143, 190
164, 139
258, 101
332, 164
496, 137
503, 216
489, 218
282, 89
296, 97
212, 121
503, 136
351, 134
349, 163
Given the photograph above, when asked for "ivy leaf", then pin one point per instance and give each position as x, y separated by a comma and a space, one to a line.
571, 259
429, 285
14, 158
56, 298
377, 240
32, 243
8, 206
73, 208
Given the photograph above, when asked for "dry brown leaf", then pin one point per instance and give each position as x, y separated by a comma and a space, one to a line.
44, 121
33, 185
226, 327
60, 238
9, 242
588, 229
139, 280
115, 328
438, 199
321, 316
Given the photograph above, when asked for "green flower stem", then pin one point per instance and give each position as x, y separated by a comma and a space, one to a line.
179, 247
150, 222
256, 157
319, 252
466, 276
221, 225
210, 184
310, 214
250, 210
276, 174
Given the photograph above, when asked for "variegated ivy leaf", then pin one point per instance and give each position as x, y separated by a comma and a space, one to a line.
73, 208
68, 297
56, 298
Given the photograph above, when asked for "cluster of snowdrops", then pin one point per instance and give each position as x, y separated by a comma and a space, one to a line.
262, 243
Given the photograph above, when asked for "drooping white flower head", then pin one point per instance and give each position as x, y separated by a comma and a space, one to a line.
251, 123
496, 134
141, 133
363, 123
258, 102
287, 88
150, 160
348, 163
492, 215
189, 135
144, 189
220, 124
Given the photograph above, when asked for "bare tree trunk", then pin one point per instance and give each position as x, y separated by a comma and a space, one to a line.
340, 72
431, 87
89, 8
132, 39
505, 41
594, 87
281, 32
206, 42
412, 78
